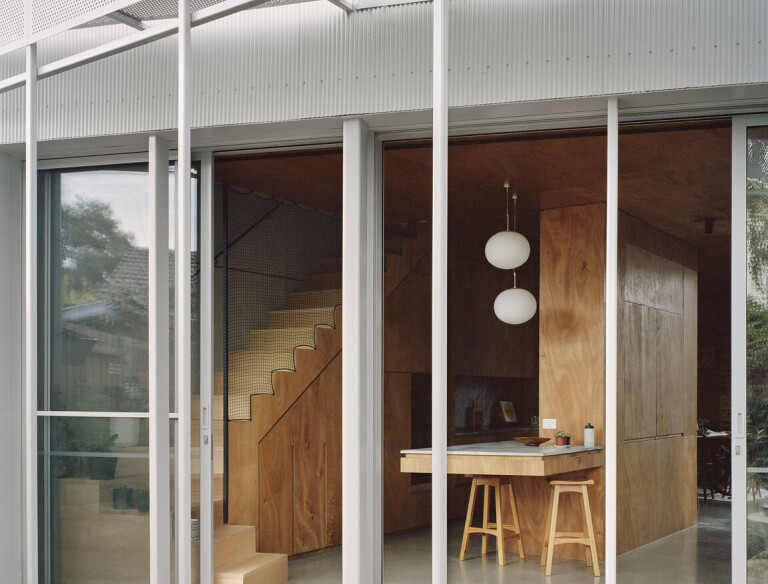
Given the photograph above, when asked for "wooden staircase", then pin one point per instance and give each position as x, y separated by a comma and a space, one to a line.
285, 458
236, 560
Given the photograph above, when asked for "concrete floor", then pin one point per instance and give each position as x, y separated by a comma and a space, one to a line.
699, 555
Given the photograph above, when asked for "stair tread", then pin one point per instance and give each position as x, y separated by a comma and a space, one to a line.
223, 532
252, 563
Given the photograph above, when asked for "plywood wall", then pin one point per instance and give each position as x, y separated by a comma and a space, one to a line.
656, 384
572, 347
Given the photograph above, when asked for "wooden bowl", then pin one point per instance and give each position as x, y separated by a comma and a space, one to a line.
532, 440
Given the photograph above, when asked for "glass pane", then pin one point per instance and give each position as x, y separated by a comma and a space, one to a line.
95, 357
94, 504
757, 354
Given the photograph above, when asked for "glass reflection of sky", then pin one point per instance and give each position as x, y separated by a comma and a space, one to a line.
125, 192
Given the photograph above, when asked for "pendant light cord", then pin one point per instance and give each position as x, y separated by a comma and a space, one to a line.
514, 210
507, 188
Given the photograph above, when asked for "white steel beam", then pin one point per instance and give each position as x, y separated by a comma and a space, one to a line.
440, 293
611, 337
145, 37
206, 368
30, 318
361, 377
159, 358
183, 316
123, 18
345, 5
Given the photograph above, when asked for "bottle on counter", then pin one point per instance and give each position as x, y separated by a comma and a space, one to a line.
589, 435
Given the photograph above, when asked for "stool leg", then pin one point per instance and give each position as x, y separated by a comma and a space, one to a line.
468, 523
499, 524
593, 548
543, 559
516, 520
585, 531
486, 502
552, 530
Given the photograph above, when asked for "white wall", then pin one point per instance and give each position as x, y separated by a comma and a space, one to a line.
11, 284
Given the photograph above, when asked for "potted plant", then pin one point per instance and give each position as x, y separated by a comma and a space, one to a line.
102, 468
561, 438
131, 397
122, 497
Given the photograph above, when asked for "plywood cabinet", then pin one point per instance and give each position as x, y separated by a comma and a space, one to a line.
656, 384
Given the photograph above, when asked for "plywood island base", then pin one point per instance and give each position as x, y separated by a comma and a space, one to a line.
529, 477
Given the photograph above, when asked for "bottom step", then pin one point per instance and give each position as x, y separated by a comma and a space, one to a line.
256, 569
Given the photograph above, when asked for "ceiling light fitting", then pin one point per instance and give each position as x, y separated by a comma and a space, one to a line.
508, 250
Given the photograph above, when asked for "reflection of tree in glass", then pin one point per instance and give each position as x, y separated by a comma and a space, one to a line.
92, 244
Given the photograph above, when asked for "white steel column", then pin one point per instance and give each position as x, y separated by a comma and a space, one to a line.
739, 279
159, 357
30, 318
183, 315
611, 337
206, 368
440, 293
361, 376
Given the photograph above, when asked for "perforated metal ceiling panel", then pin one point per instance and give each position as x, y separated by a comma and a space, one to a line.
11, 21
156, 9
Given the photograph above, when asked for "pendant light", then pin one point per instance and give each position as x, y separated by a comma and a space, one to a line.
508, 250
515, 306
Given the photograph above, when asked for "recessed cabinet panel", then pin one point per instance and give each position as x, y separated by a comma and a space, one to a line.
639, 371
670, 393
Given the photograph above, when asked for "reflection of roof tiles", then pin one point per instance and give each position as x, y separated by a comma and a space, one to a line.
132, 272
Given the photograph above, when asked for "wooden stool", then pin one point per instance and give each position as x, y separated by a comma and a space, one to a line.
496, 529
586, 537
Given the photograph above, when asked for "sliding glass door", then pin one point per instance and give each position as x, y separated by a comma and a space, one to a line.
94, 402
750, 349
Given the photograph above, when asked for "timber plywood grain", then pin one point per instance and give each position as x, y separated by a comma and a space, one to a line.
652, 280
276, 490
571, 313
657, 489
670, 390
571, 352
657, 384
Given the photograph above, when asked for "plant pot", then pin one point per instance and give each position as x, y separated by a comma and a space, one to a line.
122, 498
560, 440
102, 469
141, 496
127, 430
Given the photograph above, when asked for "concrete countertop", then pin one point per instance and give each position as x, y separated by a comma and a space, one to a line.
509, 448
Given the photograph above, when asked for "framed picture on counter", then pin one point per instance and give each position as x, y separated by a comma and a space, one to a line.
508, 411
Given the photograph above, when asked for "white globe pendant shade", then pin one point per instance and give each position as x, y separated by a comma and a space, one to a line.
515, 306
507, 250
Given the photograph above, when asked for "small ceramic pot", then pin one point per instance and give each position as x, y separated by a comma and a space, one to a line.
560, 440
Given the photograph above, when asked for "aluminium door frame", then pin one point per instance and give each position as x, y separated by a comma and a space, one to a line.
739, 280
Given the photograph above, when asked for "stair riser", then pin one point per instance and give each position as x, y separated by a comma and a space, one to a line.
235, 548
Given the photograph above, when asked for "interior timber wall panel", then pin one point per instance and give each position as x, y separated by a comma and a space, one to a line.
572, 349
657, 384
572, 322
656, 488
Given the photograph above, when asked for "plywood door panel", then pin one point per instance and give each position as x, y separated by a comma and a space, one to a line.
309, 483
276, 490
656, 491
670, 391
332, 414
652, 280
638, 372
243, 474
